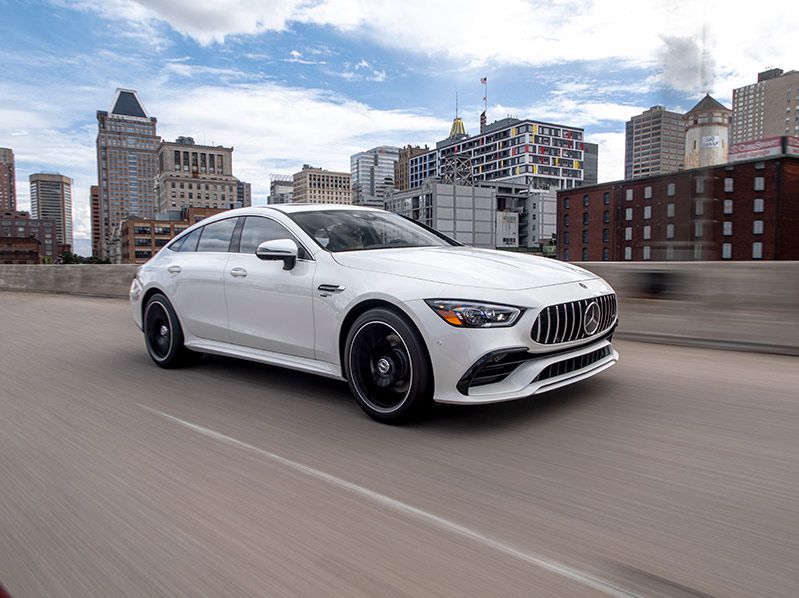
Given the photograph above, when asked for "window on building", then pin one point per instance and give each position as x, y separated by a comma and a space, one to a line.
628, 194
628, 253
565, 218
605, 254
757, 227
699, 209
760, 183
728, 185
698, 230
565, 237
669, 231
605, 235
585, 201
671, 189
628, 214
648, 192
647, 212
669, 252
585, 254
606, 198
670, 210
758, 205
727, 229
728, 206
757, 250
628, 233
647, 252
585, 217
700, 185
606, 217
565, 203
585, 235
647, 232
566, 254
726, 251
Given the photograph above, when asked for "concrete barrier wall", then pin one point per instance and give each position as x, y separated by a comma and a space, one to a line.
739, 305
96, 280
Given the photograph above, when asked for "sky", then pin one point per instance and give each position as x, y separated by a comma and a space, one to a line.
288, 82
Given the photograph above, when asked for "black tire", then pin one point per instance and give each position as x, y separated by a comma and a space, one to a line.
163, 335
388, 367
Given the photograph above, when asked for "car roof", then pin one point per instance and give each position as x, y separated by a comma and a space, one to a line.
292, 208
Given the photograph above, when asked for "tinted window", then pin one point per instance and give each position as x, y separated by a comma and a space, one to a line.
216, 236
257, 230
344, 230
189, 242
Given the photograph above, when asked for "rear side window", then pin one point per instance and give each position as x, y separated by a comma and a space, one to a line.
257, 230
216, 236
189, 242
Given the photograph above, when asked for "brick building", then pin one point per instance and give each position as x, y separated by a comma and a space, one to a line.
21, 226
16, 250
737, 211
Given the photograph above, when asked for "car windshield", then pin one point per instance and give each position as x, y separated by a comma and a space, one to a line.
353, 230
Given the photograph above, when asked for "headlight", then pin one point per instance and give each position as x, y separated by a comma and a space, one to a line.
472, 314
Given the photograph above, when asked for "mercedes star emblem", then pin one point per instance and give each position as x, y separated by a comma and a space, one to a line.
591, 318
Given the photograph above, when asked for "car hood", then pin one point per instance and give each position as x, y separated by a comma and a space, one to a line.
466, 266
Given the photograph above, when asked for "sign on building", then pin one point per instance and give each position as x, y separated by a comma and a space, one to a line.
507, 229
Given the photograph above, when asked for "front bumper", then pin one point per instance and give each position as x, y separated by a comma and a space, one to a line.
456, 352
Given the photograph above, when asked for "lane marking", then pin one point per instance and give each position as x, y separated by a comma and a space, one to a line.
413, 512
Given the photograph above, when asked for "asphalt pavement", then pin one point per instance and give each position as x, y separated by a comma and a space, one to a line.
675, 473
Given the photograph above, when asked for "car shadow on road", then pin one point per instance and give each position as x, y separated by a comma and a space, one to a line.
454, 419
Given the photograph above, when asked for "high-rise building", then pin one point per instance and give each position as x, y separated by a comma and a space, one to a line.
766, 109
281, 189
191, 175
372, 174
127, 163
402, 181
316, 185
537, 154
94, 205
243, 194
51, 199
745, 210
654, 143
590, 163
707, 127
8, 192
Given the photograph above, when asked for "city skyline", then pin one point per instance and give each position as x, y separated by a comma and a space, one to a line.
319, 83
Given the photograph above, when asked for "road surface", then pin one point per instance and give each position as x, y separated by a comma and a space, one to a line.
676, 473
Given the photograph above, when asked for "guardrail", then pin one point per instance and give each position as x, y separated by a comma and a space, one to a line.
752, 306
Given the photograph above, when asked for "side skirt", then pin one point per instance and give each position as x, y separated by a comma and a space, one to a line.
303, 364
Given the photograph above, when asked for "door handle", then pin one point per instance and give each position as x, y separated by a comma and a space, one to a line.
325, 290
173, 269
238, 272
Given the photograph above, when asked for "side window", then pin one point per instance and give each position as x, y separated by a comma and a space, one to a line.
189, 242
176, 245
257, 230
216, 236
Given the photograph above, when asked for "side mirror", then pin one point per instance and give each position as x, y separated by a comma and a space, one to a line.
279, 249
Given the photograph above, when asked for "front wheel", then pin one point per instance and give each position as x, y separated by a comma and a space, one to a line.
387, 367
164, 336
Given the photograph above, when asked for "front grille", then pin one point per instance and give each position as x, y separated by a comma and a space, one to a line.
565, 322
572, 364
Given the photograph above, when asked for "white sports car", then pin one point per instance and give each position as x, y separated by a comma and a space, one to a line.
404, 314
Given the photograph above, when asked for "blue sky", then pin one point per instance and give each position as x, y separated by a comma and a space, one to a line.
292, 81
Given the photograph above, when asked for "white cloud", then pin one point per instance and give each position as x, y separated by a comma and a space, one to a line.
611, 155
714, 36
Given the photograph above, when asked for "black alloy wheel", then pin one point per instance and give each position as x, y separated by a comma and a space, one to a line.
164, 336
387, 367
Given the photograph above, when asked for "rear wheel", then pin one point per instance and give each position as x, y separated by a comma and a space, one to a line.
164, 336
387, 367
